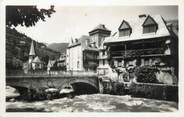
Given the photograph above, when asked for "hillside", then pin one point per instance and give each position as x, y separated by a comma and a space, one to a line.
174, 22
17, 49
59, 47
173, 26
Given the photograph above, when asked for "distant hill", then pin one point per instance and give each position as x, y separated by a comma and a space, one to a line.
174, 26
46, 44
18, 46
59, 47
173, 22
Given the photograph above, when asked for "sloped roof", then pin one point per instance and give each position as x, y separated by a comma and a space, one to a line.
85, 41
124, 25
101, 27
36, 60
137, 30
32, 50
149, 21
82, 40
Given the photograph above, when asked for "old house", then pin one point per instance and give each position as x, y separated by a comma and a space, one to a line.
144, 40
98, 35
81, 55
61, 62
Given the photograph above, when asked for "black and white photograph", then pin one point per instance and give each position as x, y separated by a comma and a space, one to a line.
113, 58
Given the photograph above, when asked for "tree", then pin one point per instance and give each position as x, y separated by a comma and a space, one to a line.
26, 15
146, 74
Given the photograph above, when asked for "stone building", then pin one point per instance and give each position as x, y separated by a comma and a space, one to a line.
144, 40
81, 55
98, 34
61, 62
34, 61
37, 63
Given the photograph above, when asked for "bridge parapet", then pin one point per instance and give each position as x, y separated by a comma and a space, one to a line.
50, 74
38, 83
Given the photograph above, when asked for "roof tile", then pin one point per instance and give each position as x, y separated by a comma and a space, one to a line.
137, 30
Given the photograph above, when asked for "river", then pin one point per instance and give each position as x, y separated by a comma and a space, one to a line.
94, 103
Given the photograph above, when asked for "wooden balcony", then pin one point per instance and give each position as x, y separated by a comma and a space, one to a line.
137, 53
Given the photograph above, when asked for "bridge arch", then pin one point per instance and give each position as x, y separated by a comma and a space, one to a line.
82, 86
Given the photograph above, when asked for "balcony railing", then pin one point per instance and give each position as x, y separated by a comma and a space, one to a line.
137, 53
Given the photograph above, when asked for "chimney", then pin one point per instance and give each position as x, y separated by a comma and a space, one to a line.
142, 15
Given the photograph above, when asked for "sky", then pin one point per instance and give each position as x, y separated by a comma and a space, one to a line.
74, 21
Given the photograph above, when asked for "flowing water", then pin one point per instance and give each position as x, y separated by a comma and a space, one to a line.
94, 103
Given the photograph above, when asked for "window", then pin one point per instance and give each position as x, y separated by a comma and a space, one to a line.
149, 29
103, 62
124, 32
149, 25
124, 29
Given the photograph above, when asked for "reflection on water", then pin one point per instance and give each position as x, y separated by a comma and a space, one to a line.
94, 103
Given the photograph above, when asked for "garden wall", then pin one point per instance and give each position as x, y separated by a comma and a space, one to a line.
155, 91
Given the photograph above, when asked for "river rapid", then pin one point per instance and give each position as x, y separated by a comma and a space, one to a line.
94, 103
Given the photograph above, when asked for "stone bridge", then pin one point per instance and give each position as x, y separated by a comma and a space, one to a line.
81, 84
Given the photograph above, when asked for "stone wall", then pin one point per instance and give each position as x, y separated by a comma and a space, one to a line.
155, 91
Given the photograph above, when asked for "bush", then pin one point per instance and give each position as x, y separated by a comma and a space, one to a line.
146, 74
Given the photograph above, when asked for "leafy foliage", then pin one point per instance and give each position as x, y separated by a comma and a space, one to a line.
26, 15
146, 74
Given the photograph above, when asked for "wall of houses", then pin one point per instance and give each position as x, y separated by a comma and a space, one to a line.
61, 62
90, 61
144, 42
74, 58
